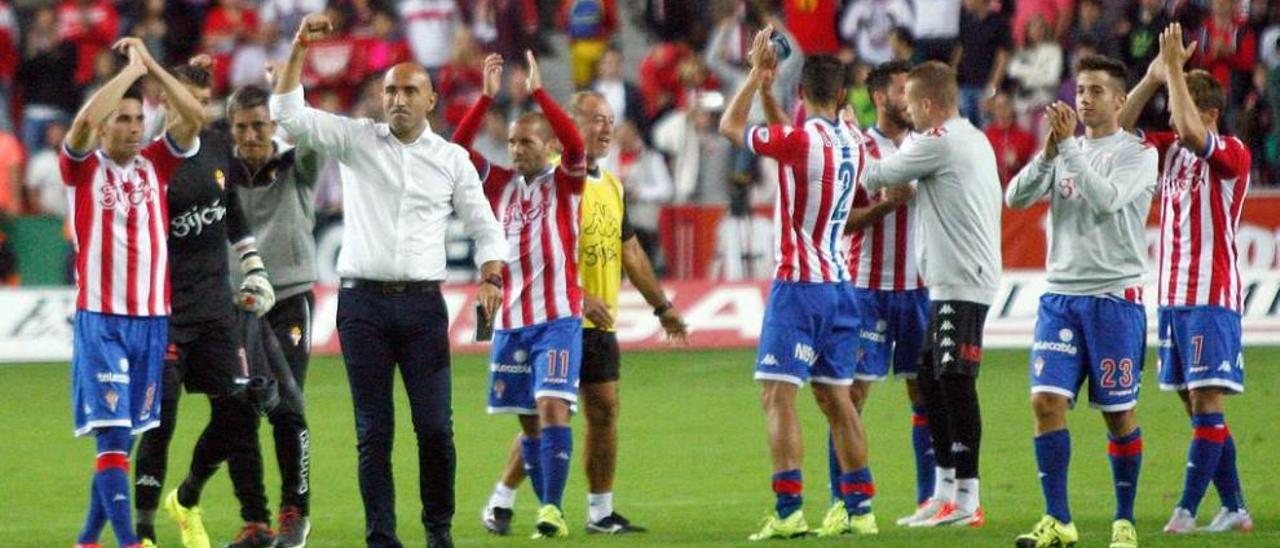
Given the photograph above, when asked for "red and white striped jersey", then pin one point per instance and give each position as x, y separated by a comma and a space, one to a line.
121, 218
540, 220
819, 166
882, 256
1201, 195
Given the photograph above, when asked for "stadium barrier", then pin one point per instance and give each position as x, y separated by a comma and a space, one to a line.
36, 323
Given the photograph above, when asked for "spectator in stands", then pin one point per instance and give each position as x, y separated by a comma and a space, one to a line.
9, 57
8, 257
726, 52
226, 26
1057, 13
660, 78
492, 141
980, 58
1013, 145
369, 104
12, 157
461, 78
1141, 35
869, 26
703, 159
333, 63
359, 14
1269, 40
383, 48
813, 22
647, 180
505, 27
1227, 49
937, 25
1037, 68
46, 194
92, 26
1090, 22
903, 44
282, 18
1067, 90
674, 20
622, 95
250, 59
46, 77
859, 98
151, 27
1254, 125
590, 24
429, 26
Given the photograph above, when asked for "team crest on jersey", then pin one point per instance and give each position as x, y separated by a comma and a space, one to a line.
295, 335
220, 178
1067, 187
499, 386
1038, 365
112, 398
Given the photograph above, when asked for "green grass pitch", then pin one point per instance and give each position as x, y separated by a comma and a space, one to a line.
693, 464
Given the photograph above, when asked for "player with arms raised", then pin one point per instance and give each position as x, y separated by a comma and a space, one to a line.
1203, 180
120, 221
1091, 323
886, 278
811, 325
537, 347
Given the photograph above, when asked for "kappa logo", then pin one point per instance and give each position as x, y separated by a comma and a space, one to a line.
947, 326
946, 309
947, 358
148, 480
958, 447
946, 342
769, 359
1225, 366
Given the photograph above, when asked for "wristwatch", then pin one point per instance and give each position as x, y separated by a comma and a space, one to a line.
662, 309
494, 279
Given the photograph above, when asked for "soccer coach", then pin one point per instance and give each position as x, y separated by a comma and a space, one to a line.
400, 183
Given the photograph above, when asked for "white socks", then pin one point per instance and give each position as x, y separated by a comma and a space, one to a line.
944, 485
967, 495
599, 506
502, 497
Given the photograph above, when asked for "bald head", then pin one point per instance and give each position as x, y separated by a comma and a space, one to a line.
407, 98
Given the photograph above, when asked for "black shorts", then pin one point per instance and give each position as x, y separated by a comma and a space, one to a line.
206, 357
954, 339
291, 320
600, 359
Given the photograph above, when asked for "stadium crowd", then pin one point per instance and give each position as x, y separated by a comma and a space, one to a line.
1013, 58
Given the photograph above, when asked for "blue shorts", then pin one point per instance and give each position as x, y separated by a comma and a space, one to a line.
540, 361
894, 325
810, 330
117, 370
1200, 347
1099, 337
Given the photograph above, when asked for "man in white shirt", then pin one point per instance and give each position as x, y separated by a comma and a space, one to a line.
400, 182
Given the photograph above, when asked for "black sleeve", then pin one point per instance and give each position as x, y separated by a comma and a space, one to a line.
237, 225
628, 231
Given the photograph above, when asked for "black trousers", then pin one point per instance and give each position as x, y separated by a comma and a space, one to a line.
284, 335
382, 327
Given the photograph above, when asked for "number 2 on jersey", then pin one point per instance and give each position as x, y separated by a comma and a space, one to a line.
844, 180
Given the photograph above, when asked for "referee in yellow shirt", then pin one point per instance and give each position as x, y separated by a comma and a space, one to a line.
606, 245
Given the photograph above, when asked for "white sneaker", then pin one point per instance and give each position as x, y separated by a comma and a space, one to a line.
1227, 520
951, 515
926, 510
1181, 522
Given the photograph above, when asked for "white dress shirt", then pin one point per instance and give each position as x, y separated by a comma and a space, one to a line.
396, 197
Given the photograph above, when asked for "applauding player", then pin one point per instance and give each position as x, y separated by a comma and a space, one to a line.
1203, 181
811, 325
537, 350
1091, 324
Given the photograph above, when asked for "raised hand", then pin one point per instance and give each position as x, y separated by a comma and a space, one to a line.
1173, 53
202, 61
313, 27
762, 56
1064, 125
535, 75
135, 50
492, 75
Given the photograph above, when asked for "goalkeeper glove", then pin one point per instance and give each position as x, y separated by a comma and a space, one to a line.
256, 294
